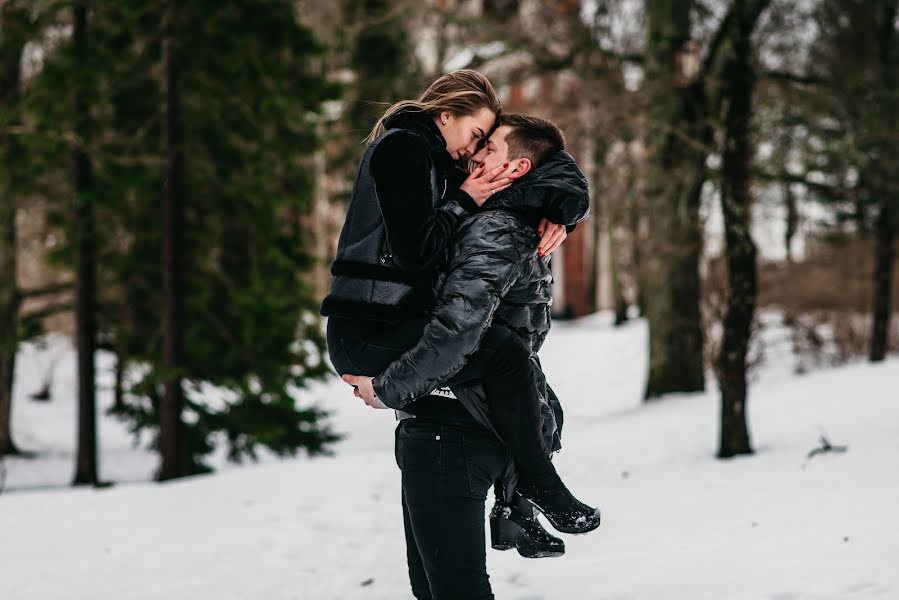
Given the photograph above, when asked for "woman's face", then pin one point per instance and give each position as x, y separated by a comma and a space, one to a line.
462, 133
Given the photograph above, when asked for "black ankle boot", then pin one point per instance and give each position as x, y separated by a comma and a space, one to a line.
563, 511
517, 527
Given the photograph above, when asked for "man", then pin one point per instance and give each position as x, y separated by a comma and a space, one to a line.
493, 276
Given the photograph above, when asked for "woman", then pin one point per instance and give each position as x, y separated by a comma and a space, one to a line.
404, 210
407, 203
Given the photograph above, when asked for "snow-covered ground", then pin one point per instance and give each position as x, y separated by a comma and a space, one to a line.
677, 524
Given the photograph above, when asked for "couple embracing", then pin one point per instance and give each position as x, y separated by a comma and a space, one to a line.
439, 304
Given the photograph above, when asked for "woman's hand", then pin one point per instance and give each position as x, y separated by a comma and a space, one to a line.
364, 389
553, 235
482, 184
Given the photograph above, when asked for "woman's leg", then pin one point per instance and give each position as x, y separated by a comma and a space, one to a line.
367, 347
501, 361
504, 365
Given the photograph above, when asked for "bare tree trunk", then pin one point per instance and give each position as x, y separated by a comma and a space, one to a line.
170, 426
738, 81
792, 220
14, 25
624, 213
677, 136
884, 252
121, 365
634, 212
86, 459
593, 281
9, 325
885, 258
592, 158
619, 304
784, 148
320, 214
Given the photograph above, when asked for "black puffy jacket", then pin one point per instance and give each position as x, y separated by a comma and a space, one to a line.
493, 274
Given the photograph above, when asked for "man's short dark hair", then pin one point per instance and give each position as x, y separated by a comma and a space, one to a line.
531, 136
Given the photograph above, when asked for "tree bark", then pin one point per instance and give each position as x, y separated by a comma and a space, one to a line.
634, 212
677, 137
792, 224
171, 434
14, 24
888, 215
118, 403
85, 275
9, 324
791, 221
619, 303
738, 83
593, 274
624, 214
885, 258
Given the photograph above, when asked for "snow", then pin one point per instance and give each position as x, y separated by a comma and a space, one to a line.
677, 523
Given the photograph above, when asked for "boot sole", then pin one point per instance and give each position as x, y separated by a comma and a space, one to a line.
505, 534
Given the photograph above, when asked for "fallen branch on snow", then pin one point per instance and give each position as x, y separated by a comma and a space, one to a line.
825, 446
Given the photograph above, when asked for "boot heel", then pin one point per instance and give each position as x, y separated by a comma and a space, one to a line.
504, 533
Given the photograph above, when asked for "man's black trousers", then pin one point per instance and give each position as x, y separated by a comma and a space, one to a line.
447, 470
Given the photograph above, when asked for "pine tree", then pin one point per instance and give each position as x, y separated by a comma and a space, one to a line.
171, 437
15, 29
85, 268
249, 91
885, 179
382, 59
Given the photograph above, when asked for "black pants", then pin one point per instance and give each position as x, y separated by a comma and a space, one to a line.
501, 362
447, 470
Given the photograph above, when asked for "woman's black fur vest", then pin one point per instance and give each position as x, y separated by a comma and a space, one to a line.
405, 207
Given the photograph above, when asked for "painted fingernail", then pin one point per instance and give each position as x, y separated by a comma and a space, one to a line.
539, 232
506, 166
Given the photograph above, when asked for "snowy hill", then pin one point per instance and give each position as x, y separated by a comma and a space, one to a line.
677, 524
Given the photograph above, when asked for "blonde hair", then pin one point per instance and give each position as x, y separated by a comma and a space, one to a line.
461, 93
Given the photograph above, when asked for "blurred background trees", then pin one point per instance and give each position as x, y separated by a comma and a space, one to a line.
168, 143
174, 177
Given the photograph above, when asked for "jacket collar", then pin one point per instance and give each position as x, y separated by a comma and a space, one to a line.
420, 122
541, 187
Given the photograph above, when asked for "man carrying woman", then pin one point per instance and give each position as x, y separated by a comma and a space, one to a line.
491, 314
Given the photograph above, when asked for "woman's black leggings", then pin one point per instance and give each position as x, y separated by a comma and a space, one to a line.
501, 362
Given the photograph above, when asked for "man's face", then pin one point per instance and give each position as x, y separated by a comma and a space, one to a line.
495, 151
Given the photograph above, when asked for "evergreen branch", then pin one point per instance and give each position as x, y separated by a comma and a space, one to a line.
48, 311
53, 288
795, 78
69, 138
